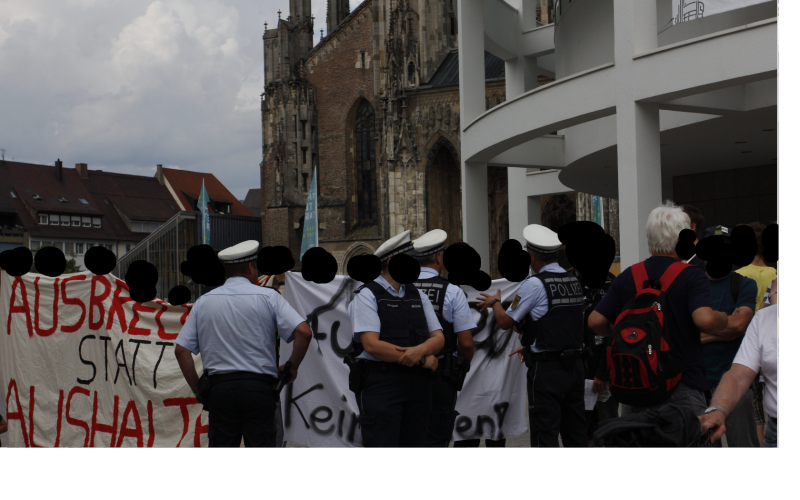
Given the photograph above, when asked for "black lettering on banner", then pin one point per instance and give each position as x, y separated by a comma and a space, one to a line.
287, 418
124, 363
313, 318
155, 369
501, 409
105, 353
463, 425
135, 352
351, 432
80, 355
498, 339
484, 419
340, 426
317, 420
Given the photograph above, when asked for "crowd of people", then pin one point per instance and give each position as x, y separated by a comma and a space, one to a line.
664, 337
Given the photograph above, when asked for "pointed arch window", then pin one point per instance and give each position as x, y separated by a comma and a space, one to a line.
366, 169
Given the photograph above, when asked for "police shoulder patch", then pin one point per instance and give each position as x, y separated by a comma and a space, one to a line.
516, 302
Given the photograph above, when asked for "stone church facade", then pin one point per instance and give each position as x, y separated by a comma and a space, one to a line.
374, 109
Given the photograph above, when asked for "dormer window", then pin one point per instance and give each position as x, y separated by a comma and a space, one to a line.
14, 196
65, 220
83, 201
76, 221
96, 222
55, 220
37, 197
43, 219
86, 222
62, 199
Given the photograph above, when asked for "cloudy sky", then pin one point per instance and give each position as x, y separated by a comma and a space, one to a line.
126, 84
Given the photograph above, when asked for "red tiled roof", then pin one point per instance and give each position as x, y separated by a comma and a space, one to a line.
187, 184
107, 194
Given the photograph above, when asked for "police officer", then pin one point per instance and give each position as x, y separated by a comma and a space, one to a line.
548, 311
233, 327
397, 328
452, 310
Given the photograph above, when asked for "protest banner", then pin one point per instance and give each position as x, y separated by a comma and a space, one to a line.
320, 411
82, 364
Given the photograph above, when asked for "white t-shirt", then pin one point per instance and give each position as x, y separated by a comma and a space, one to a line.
759, 351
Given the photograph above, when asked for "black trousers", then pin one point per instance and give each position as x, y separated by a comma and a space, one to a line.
241, 409
443, 413
555, 404
395, 409
475, 443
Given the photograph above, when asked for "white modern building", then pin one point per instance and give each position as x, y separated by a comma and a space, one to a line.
652, 100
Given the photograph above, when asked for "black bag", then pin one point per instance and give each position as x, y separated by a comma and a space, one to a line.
666, 426
643, 371
203, 389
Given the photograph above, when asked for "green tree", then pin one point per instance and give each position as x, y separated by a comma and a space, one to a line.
72, 266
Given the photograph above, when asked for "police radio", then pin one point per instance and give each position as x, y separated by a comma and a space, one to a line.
284, 377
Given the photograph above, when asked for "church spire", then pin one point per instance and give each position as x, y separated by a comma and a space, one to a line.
337, 11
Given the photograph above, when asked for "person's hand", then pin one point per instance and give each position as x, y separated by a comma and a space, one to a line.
411, 355
292, 373
485, 299
598, 385
713, 420
431, 363
516, 328
279, 280
518, 352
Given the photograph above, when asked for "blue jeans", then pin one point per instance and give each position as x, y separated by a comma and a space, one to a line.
771, 433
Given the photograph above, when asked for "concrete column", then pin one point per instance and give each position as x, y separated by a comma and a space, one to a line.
639, 175
534, 212
472, 93
517, 203
475, 208
521, 76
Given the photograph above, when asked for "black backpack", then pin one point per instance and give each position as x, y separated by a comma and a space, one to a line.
666, 426
643, 371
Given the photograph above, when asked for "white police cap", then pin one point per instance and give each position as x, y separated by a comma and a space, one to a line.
430, 243
243, 252
541, 239
395, 246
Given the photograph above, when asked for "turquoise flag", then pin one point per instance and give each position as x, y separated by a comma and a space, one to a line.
597, 211
202, 205
310, 237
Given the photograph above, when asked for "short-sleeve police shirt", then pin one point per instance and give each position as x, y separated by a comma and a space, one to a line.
456, 308
531, 299
233, 327
363, 312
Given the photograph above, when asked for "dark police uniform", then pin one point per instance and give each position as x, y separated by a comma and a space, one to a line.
395, 401
233, 327
453, 312
548, 308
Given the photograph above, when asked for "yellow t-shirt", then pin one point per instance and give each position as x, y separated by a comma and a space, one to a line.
763, 276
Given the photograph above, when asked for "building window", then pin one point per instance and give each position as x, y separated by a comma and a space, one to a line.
79, 248
76, 221
65, 220
83, 201
43, 219
127, 247
55, 220
69, 248
86, 221
96, 222
366, 181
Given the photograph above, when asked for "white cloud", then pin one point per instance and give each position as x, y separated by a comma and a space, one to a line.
126, 84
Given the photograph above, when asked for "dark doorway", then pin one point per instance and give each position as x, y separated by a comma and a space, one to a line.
443, 190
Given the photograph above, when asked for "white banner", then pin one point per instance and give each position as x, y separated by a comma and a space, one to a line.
81, 364
689, 10
319, 409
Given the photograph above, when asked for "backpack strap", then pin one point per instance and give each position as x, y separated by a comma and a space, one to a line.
736, 283
670, 274
639, 273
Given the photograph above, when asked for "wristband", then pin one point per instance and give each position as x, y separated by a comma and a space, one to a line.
493, 302
716, 408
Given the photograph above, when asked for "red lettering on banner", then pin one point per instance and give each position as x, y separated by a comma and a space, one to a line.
16, 415
137, 308
162, 332
184, 405
39, 331
31, 406
23, 309
97, 301
152, 435
125, 431
60, 413
116, 308
73, 302
186, 314
74, 421
109, 429
199, 428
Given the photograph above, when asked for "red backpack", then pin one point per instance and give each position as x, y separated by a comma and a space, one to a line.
643, 370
